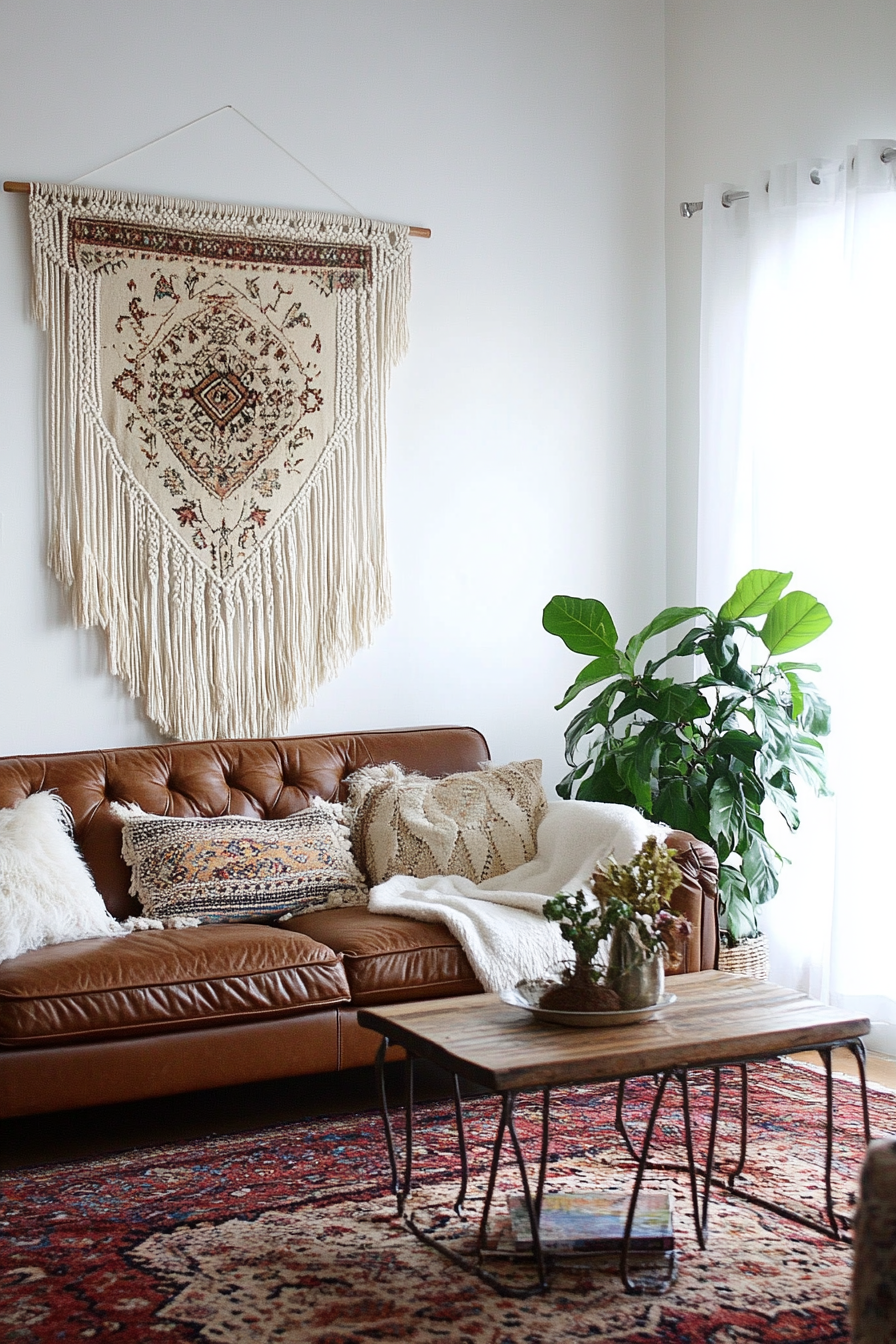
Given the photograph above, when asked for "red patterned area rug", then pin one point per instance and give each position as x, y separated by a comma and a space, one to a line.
289, 1234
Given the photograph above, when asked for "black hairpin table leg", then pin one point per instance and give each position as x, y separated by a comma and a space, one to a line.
533, 1206
744, 1122
400, 1189
506, 1126
699, 1204
857, 1048
835, 1222
405, 1190
642, 1285
462, 1147
384, 1109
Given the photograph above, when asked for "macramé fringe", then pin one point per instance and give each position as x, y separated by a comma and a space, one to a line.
209, 657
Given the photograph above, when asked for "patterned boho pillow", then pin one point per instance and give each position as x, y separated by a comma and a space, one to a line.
231, 869
476, 825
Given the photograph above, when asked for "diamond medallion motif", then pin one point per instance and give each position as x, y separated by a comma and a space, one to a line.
221, 396
223, 388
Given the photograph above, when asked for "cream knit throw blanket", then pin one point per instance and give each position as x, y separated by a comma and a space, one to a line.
216, 430
499, 923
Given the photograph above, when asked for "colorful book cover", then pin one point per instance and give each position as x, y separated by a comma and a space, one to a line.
593, 1221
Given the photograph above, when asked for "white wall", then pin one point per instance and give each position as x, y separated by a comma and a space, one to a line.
526, 426
748, 85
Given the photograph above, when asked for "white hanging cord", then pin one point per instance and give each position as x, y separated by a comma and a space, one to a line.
226, 107
276, 143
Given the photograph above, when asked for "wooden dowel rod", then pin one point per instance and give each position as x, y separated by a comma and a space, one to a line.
415, 230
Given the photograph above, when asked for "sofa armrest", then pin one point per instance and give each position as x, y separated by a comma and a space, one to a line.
697, 898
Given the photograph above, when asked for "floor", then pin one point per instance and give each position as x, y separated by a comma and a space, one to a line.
880, 1068
71, 1136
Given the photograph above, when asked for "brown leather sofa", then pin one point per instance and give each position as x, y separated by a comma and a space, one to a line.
154, 1013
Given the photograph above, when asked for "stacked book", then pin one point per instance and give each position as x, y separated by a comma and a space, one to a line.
589, 1222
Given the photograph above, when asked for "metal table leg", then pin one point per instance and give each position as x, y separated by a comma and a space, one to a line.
384, 1110
699, 1204
401, 1189
462, 1146
857, 1049
835, 1222
639, 1285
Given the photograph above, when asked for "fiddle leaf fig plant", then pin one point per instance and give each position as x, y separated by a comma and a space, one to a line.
708, 755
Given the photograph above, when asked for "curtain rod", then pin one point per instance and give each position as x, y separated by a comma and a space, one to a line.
415, 230
689, 208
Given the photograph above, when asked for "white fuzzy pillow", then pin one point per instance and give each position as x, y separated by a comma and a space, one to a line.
47, 894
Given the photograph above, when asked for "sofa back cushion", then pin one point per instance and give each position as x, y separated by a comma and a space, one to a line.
269, 777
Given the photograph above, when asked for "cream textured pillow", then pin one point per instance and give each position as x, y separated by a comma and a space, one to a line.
47, 894
232, 869
475, 825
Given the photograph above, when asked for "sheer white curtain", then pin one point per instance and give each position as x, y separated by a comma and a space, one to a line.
797, 467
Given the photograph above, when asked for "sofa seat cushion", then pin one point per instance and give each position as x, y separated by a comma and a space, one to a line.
390, 959
164, 980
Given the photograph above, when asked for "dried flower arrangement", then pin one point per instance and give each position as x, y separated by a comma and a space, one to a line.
630, 899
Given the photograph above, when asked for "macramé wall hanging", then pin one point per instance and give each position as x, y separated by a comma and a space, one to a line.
216, 433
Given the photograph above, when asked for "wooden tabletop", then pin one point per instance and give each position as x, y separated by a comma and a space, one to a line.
718, 1018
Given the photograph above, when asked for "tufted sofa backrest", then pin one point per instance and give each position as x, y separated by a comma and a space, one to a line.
269, 777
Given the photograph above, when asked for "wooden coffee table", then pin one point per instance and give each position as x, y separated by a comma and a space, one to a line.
718, 1020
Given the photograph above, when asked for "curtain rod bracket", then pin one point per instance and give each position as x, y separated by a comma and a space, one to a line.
690, 208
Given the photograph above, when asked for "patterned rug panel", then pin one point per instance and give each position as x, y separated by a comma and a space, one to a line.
289, 1234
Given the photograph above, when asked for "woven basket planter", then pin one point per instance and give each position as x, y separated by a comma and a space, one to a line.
747, 958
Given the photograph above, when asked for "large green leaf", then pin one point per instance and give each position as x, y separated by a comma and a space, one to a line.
565, 787
757, 593
726, 809
640, 787
728, 701
794, 621
736, 742
603, 785
647, 751
740, 917
816, 715
678, 807
583, 723
775, 726
666, 700
595, 714
721, 652
797, 698
808, 760
690, 644
666, 620
784, 800
642, 694
583, 623
680, 704
761, 870
607, 665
